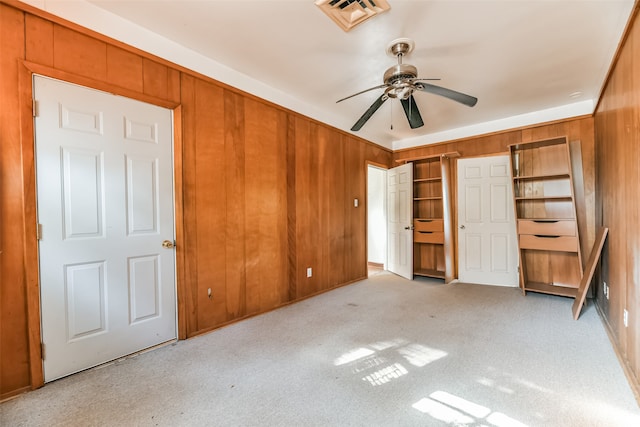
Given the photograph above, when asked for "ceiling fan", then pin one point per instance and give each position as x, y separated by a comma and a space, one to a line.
400, 81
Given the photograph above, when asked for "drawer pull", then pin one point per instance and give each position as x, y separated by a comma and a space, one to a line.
545, 236
545, 221
425, 220
425, 232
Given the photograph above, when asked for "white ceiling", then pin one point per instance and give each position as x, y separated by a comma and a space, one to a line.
523, 59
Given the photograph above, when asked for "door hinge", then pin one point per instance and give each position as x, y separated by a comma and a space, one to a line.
34, 108
42, 350
39, 232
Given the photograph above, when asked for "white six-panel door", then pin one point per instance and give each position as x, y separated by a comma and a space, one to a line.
400, 220
105, 202
487, 245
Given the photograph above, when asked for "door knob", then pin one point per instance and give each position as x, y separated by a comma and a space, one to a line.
462, 227
409, 227
168, 244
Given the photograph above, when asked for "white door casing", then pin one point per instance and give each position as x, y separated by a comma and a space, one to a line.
400, 220
104, 173
377, 215
487, 240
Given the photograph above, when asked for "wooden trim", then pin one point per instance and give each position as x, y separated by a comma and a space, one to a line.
628, 371
46, 71
146, 55
178, 195
376, 164
32, 282
612, 66
577, 172
502, 153
450, 154
13, 394
282, 305
447, 215
498, 132
366, 207
592, 263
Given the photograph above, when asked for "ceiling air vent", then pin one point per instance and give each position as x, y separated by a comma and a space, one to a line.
349, 13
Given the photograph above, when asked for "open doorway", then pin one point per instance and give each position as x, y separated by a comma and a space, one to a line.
376, 219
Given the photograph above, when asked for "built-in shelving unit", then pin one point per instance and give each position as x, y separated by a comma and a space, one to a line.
433, 254
548, 238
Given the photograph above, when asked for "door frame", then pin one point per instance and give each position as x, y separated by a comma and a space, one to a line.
457, 208
385, 168
29, 200
409, 275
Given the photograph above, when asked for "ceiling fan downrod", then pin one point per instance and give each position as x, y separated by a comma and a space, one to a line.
398, 78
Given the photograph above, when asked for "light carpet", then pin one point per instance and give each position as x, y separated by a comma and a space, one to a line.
381, 352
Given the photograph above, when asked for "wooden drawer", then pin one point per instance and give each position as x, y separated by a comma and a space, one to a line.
428, 237
547, 227
428, 225
549, 243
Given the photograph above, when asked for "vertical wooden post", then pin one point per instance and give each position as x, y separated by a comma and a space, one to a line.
447, 216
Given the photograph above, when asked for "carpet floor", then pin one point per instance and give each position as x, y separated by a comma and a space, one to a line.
381, 352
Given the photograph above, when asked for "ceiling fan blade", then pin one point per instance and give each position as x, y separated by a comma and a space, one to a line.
447, 93
412, 113
367, 114
361, 92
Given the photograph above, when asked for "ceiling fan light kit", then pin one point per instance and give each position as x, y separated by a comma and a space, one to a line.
401, 81
349, 13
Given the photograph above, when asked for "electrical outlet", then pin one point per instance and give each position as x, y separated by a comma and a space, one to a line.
625, 318
209, 293
309, 272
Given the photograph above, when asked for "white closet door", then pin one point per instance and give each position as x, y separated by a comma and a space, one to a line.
105, 202
487, 241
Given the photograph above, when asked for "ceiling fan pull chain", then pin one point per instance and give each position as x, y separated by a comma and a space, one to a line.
391, 112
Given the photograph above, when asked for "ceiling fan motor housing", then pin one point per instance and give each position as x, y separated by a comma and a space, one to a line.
398, 77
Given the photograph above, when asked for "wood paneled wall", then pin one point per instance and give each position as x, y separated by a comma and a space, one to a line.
262, 193
617, 140
577, 130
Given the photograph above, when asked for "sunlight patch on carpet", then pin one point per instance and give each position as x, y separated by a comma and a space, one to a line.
386, 374
453, 409
353, 355
420, 355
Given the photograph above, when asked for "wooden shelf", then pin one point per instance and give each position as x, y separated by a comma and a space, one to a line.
538, 144
546, 220
541, 177
429, 273
548, 236
550, 198
546, 288
432, 222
